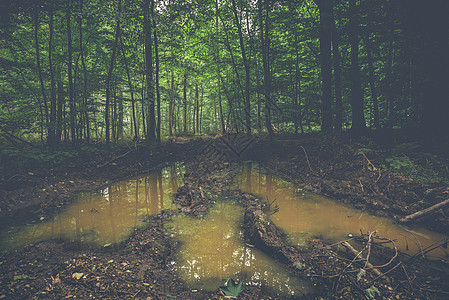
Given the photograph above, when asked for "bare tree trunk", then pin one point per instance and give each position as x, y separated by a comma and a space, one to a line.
108, 79
52, 127
185, 102
83, 63
372, 82
158, 93
131, 90
171, 103
325, 7
197, 109
69, 66
148, 14
247, 69
220, 107
338, 125
39, 70
265, 48
358, 117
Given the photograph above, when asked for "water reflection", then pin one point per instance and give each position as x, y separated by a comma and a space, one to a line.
106, 216
305, 215
212, 251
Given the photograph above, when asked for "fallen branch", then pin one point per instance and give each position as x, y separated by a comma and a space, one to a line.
358, 254
120, 156
424, 212
307, 157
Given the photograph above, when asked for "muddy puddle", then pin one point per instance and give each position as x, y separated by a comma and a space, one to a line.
306, 216
103, 217
212, 250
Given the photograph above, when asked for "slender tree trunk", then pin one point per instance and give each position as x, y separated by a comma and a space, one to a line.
131, 90
389, 81
83, 63
52, 131
197, 110
372, 82
148, 10
265, 48
158, 94
171, 103
337, 78
358, 118
39, 70
220, 107
325, 7
247, 70
60, 100
185, 102
69, 67
109, 77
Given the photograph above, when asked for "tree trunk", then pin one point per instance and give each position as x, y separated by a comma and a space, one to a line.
374, 99
389, 82
158, 94
59, 114
69, 67
171, 103
83, 63
184, 91
337, 78
39, 70
220, 107
325, 7
197, 108
52, 127
109, 77
148, 14
265, 48
131, 90
358, 118
247, 69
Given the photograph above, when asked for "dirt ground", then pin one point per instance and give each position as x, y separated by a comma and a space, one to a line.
139, 267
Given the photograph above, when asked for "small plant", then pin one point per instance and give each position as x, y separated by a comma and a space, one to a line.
232, 289
371, 292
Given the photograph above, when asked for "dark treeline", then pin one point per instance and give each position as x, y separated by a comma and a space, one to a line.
84, 71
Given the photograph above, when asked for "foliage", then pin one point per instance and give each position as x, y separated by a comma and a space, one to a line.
232, 288
372, 292
202, 75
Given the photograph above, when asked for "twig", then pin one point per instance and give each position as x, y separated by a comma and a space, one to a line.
108, 162
361, 185
307, 157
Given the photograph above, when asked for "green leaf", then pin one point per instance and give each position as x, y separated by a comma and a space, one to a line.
371, 292
232, 288
19, 277
170, 297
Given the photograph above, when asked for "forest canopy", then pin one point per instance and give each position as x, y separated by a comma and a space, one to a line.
104, 71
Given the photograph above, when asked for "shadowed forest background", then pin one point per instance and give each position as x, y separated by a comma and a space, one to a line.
85, 71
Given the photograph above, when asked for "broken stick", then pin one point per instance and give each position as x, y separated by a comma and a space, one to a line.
423, 212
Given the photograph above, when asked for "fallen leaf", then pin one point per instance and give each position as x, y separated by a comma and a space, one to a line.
56, 279
77, 276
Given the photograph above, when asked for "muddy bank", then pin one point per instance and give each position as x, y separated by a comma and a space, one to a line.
47, 191
347, 174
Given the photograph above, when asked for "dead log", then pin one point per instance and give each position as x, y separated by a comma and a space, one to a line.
424, 212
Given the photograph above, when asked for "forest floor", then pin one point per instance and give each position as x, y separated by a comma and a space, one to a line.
354, 174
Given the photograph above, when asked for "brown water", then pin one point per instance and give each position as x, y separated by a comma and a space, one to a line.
304, 215
105, 217
212, 251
